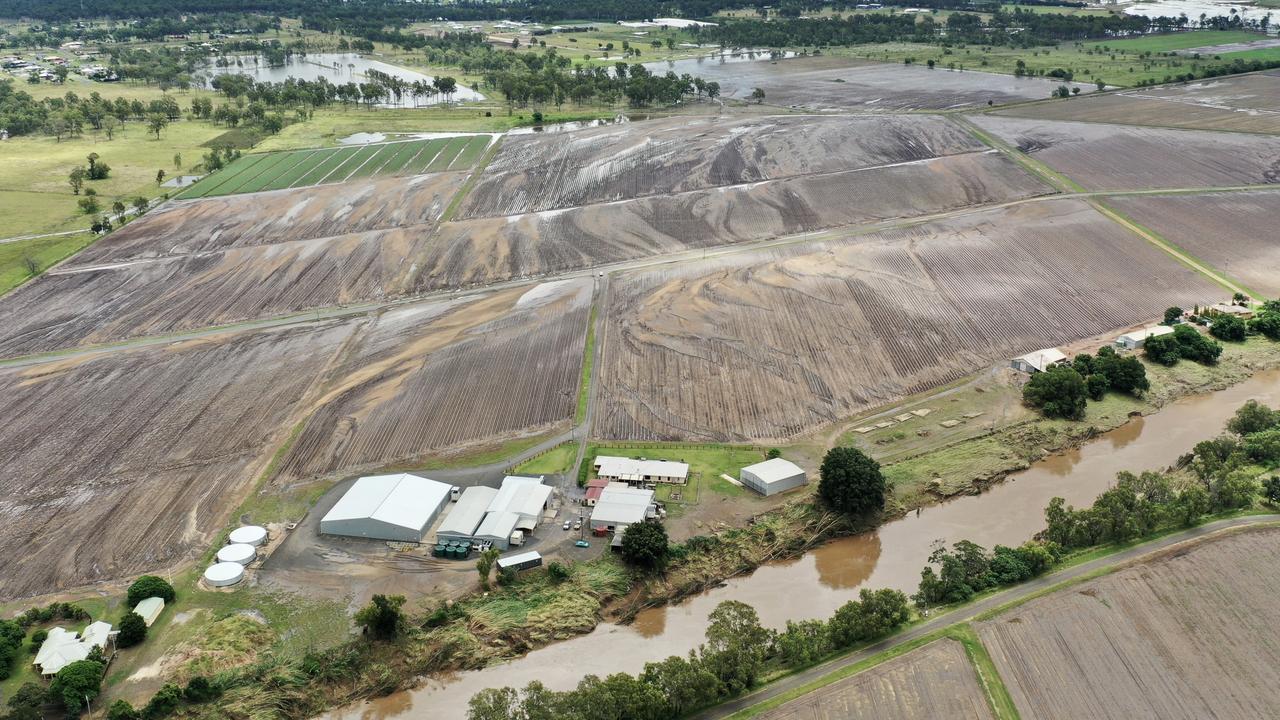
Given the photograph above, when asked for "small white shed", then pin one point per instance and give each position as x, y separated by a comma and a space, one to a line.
773, 476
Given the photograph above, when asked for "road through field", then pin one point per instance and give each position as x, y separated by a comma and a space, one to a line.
1024, 591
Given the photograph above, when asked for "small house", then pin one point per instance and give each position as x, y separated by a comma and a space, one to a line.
1038, 361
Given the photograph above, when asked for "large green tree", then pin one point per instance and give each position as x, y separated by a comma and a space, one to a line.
645, 545
382, 617
1058, 392
150, 586
850, 482
77, 684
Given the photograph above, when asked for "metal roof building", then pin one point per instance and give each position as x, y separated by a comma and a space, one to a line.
1038, 361
772, 476
63, 647
150, 609
387, 507
497, 528
1138, 338
465, 517
619, 506
524, 496
637, 471
521, 561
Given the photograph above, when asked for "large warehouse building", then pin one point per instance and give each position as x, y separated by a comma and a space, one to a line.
485, 514
772, 476
387, 507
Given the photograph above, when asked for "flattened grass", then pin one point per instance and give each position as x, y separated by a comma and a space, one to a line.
45, 252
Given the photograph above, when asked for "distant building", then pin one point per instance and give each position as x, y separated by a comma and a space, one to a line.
387, 507
149, 609
1226, 309
1038, 361
628, 470
491, 515
1136, 339
773, 476
594, 488
620, 506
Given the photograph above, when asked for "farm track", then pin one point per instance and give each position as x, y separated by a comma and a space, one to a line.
320, 314
814, 676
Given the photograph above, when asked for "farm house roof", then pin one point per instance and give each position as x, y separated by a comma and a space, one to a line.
622, 506
637, 470
1042, 359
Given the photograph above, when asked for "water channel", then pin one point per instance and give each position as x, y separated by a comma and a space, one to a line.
815, 584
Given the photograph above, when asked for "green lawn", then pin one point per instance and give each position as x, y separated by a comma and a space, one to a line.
1178, 41
558, 459
44, 251
706, 462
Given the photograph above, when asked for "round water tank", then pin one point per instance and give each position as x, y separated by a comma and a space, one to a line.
238, 553
224, 573
248, 535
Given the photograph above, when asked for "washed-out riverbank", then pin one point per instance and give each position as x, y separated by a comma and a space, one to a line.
816, 583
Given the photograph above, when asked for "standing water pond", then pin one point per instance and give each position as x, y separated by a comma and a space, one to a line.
337, 68
815, 584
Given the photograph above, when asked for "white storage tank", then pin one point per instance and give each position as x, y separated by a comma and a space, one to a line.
240, 553
224, 573
248, 535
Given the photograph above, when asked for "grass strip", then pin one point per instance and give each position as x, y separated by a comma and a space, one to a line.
210, 183
1035, 167
446, 156
427, 156
386, 153
287, 163
993, 687
463, 191
45, 252
588, 364
353, 163
331, 161
470, 154
264, 169
288, 178
407, 153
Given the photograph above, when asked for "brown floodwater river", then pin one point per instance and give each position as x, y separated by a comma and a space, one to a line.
815, 584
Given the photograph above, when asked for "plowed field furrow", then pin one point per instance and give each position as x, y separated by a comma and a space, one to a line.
761, 344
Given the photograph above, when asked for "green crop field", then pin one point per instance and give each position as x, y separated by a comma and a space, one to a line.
303, 168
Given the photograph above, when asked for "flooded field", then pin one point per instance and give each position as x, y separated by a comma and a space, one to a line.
817, 583
337, 68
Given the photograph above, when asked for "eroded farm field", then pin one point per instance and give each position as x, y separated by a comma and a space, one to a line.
935, 681
1246, 103
1126, 157
491, 249
831, 82
1235, 232
547, 172
141, 454
768, 344
1188, 635
442, 376
225, 260
127, 462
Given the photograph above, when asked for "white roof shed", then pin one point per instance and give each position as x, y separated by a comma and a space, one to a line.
387, 507
467, 514
1038, 361
632, 470
150, 609
497, 528
773, 476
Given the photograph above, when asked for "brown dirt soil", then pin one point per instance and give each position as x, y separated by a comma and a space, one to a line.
1234, 232
831, 82
282, 216
442, 376
1126, 157
130, 461
935, 681
769, 344
622, 162
1190, 634
1212, 105
491, 249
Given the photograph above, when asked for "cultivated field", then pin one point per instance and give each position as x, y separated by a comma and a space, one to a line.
305, 168
447, 375
767, 344
127, 462
224, 260
1235, 232
1189, 635
1123, 157
621, 162
831, 82
935, 681
1245, 103
490, 249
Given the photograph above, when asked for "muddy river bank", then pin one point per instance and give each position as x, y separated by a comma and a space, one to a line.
816, 583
